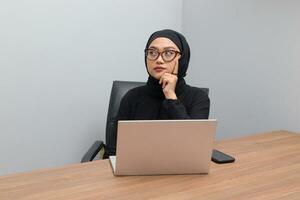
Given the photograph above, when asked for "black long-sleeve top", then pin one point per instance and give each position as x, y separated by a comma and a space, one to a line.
149, 103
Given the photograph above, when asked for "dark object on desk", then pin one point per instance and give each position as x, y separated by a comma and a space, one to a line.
119, 89
220, 157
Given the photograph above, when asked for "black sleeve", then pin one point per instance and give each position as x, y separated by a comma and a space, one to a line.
124, 109
198, 108
123, 114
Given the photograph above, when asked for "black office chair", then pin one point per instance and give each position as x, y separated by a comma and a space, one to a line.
119, 89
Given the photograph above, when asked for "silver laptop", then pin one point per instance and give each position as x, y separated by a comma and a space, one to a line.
149, 147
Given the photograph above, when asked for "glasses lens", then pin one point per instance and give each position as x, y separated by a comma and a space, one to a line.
168, 55
151, 54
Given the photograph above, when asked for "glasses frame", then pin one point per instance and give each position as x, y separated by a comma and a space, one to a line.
160, 54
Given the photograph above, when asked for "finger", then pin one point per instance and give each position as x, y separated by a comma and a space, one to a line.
165, 81
161, 78
175, 71
170, 77
162, 83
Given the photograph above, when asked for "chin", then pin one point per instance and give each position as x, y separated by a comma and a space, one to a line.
157, 76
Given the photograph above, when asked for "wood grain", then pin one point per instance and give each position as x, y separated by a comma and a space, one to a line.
267, 167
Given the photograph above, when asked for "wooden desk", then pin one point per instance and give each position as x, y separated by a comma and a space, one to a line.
267, 167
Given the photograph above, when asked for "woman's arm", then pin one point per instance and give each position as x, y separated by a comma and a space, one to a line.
198, 109
123, 114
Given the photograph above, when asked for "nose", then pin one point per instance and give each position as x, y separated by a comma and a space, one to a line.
159, 60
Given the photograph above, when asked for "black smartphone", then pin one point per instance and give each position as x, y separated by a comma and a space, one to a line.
220, 157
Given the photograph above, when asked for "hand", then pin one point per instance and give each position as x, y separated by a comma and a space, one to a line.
169, 82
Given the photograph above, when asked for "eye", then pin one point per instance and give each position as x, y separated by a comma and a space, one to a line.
152, 52
169, 53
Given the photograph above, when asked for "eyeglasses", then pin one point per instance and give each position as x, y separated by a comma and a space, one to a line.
167, 55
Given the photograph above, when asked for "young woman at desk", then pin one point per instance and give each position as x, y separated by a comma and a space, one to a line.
166, 95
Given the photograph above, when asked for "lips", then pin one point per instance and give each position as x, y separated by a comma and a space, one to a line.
159, 68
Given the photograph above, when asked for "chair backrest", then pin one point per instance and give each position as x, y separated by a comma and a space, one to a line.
118, 90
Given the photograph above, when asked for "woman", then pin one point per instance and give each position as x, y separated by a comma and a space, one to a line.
166, 95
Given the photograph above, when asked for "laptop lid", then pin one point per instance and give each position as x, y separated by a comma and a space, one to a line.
147, 147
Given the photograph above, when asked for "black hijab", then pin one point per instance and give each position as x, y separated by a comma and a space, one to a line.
180, 42
183, 62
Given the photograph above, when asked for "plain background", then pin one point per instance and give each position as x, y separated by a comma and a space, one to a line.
248, 54
58, 59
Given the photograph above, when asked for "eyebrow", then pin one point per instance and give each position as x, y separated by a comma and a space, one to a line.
154, 47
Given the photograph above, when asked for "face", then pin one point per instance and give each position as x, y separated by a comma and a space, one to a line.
157, 67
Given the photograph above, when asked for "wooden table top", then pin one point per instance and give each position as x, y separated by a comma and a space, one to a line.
267, 167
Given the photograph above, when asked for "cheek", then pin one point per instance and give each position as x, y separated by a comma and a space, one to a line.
150, 64
171, 66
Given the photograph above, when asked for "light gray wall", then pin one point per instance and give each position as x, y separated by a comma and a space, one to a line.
247, 53
58, 59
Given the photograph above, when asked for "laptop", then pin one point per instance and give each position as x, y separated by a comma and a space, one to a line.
155, 147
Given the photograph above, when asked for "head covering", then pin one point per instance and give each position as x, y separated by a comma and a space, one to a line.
182, 45
153, 86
